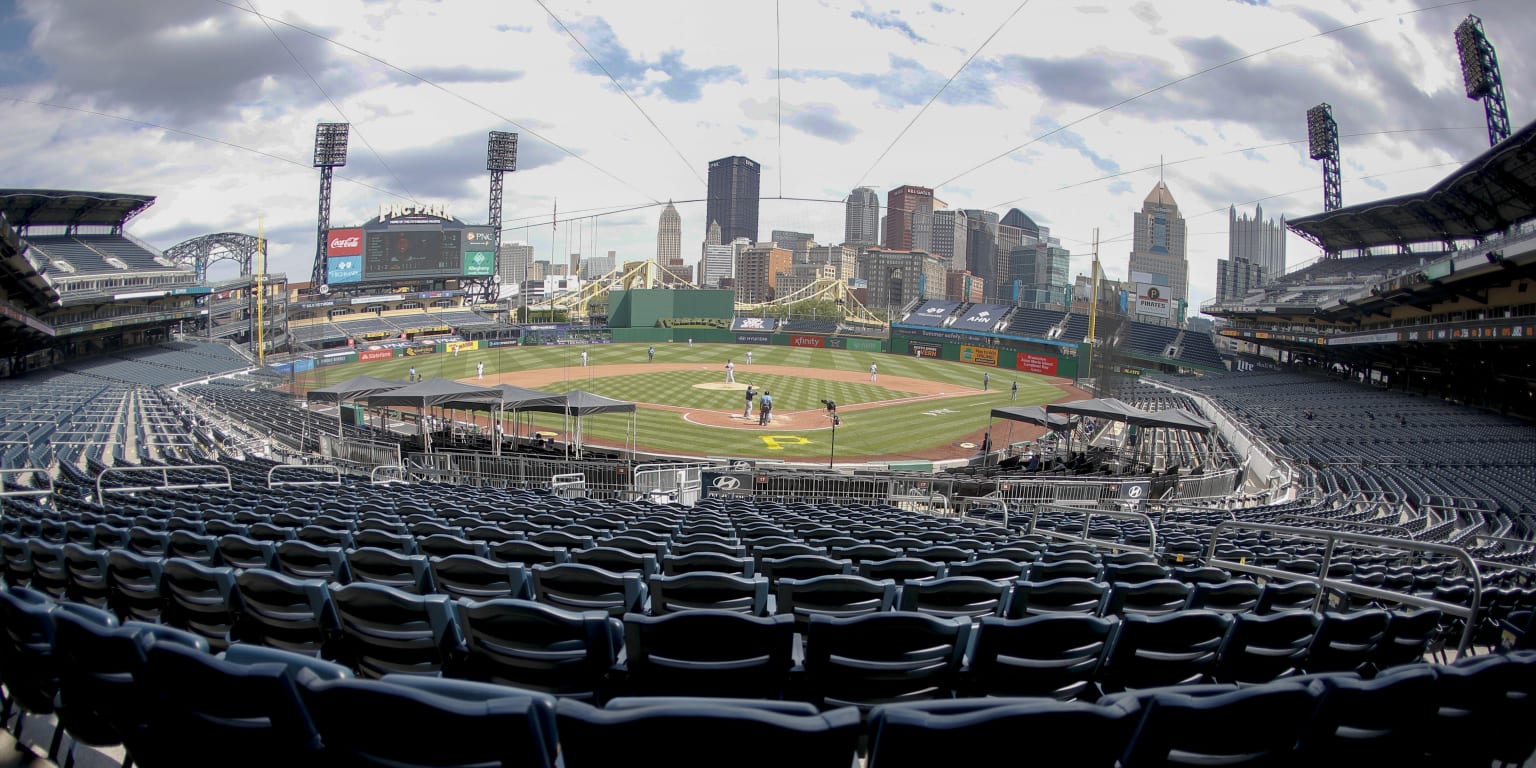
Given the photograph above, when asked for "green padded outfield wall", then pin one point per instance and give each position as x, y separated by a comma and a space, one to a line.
643, 307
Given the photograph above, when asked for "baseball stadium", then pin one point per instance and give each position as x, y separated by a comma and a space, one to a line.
398, 515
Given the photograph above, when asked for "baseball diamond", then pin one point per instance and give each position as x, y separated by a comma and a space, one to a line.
921, 409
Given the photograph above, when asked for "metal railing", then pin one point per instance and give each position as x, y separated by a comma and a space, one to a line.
1088, 515
1398, 529
335, 470
165, 479
679, 482
1325, 583
44, 493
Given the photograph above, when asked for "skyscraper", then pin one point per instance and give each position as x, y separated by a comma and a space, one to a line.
861, 218
669, 236
908, 218
1159, 269
981, 255
1259, 241
712, 237
1255, 254
949, 239
734, 185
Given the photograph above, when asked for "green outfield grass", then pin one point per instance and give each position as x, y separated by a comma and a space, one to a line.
894, 431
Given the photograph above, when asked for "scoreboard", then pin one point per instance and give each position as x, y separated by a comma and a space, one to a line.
410, 244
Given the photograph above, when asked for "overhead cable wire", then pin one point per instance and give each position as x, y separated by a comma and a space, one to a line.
196, 135
1190, 76
449, 91
1239, 150
623, 90
938, 93
354, 128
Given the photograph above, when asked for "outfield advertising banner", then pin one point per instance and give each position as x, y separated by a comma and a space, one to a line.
371, 355
753, 338
337, 358
345, 269
479, 263
982, 317
462, 346
1041, 364
754, 324
814, 342
417, 351
306, 364
978, 355
924, 349
863, 345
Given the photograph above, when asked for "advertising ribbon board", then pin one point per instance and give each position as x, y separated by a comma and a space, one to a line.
978, 355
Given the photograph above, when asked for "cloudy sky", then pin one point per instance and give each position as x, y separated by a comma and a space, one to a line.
1062, 108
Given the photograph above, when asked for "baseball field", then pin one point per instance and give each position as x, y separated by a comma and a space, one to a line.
916, 409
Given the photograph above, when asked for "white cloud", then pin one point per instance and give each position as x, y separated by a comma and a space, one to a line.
851, 86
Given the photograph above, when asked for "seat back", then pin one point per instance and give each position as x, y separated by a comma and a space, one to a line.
1267, 646
927, 733
969, 596
802, 567
407, 573
707, 732
708, 653
536, 646
1262, 725
1055, 655
479, 578
202, 705
1347, 642
1171, 649
708, 590
410, 723
200, 599
303, 560
833, 596
287, 613
1148, 598
87, 571
579, 587
883, 657
1068, 595
134, 586
384, 630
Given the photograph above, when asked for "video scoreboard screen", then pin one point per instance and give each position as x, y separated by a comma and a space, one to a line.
412, 252
422, 247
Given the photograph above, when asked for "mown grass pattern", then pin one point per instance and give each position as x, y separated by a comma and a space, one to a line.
896, 431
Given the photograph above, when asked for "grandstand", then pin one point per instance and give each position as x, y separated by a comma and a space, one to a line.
1341, 574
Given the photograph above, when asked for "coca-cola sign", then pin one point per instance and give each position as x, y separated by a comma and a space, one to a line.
345, 242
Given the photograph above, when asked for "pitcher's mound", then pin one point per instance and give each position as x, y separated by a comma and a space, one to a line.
721, 385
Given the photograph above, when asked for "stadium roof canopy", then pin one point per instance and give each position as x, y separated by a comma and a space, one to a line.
1488, 194
26, 208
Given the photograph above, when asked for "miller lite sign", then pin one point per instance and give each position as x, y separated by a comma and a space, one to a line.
344, 242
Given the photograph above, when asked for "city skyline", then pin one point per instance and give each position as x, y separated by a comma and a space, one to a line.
1071, 132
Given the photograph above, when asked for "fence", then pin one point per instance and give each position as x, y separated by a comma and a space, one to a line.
171, 478
680, 483
604, 479
364, 452
1326, 584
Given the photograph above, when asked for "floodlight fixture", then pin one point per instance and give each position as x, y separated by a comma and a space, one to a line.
331, 145
1469, 47
501, 152
1322, 132
1480, 75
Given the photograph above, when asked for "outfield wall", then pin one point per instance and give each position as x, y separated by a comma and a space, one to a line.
989, 352
641, 308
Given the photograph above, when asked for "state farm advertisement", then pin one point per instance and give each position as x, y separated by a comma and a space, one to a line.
345, 242
1041, 364
370, 355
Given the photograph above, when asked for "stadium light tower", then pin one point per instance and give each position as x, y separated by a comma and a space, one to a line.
330, 153
1323, 144
1480, 73
500, 157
